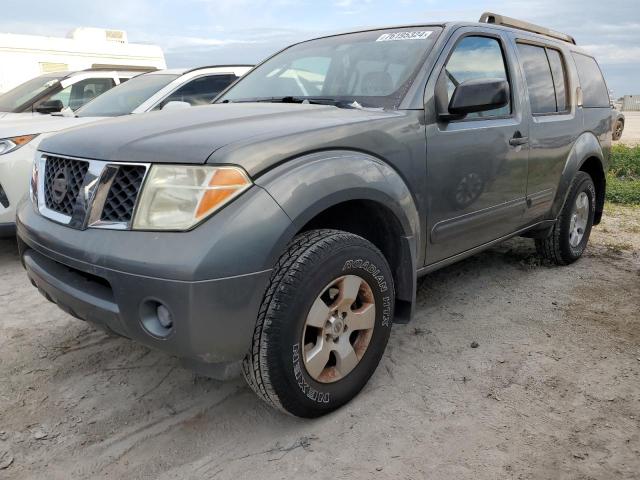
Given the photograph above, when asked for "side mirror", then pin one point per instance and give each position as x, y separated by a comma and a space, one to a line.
175, 105
50, 106
479, 96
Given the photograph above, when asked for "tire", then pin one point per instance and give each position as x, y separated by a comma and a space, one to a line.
316, 265
564, 245
618, 128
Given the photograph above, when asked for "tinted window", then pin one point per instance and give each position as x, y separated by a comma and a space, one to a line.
594, 90
86, 90
476, 58
559, 78
537, 71
200, 91
373, 68
125, 98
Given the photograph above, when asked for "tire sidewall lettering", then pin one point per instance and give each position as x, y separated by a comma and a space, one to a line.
370, 268
310, 392
383, 291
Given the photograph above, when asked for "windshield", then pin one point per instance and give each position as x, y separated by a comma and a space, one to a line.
13, 99
125, 98
374, 69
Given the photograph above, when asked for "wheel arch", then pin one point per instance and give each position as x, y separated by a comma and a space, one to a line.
357, 193
588, 156
593, 166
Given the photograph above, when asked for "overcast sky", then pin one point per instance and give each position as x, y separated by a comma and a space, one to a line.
203, 32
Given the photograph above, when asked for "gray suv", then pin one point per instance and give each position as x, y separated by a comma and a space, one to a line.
285, 226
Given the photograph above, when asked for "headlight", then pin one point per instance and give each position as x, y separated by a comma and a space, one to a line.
179, 197
10, 144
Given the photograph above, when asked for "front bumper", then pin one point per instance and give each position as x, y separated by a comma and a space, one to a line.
212, 279
15, 174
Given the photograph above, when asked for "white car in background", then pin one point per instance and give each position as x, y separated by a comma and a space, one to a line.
163, 89
53, 92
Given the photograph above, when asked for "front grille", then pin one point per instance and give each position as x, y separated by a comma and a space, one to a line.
91, 193
122, 196
63, 179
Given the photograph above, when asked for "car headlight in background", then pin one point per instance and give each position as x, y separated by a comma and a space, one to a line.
10, 144
178, 197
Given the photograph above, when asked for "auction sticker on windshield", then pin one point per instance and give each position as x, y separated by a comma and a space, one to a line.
390, 37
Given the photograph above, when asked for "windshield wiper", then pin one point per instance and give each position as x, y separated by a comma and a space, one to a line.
302, 100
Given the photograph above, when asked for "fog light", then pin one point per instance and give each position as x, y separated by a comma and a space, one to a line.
156, 318
164, 316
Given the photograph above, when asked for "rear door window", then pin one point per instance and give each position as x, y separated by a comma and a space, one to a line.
537, 71
594, 88
559, 79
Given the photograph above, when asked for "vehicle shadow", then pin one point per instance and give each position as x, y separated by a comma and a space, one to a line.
8, 250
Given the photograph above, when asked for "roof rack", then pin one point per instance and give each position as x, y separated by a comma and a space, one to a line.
488, 17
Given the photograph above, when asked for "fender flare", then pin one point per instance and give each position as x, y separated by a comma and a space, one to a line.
585, 147
310, 184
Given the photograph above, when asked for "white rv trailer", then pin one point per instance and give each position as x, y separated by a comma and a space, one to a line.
23, 57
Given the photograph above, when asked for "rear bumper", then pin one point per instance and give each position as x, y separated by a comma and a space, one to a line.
91, 275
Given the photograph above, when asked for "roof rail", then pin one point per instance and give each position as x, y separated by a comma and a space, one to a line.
488, 17
130, 68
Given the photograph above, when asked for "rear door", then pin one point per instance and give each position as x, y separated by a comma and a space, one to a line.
476, 166
555, 123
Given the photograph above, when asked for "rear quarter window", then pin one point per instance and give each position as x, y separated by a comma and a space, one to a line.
594, 89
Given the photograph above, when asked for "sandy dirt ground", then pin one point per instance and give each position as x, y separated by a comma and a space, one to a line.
631, 133
552, 391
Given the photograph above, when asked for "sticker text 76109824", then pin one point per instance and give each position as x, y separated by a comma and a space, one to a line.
391, 37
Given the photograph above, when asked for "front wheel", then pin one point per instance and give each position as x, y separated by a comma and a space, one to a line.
323, 325
570, 234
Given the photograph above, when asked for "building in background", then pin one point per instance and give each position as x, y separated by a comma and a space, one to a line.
631, 103
23, 57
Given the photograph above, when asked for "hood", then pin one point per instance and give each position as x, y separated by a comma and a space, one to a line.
15, 126
18, 116
195, 135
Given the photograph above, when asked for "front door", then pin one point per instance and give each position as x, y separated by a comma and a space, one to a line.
477, 165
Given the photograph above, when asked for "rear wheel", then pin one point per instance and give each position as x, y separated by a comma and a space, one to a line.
323, 325
570, 234
617, 130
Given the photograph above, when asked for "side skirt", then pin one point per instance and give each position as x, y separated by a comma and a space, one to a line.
461, 256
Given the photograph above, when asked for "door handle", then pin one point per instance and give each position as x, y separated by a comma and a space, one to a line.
518, 140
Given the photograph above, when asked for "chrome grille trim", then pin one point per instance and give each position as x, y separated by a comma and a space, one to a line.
93, 194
